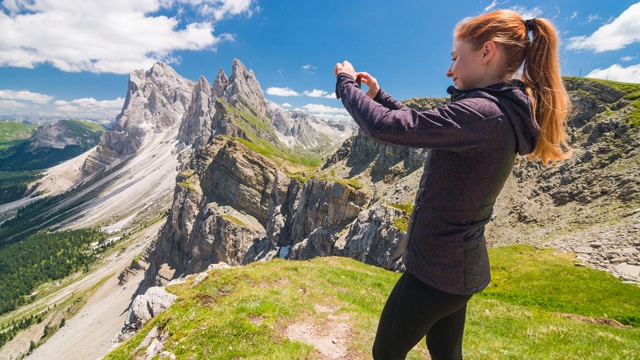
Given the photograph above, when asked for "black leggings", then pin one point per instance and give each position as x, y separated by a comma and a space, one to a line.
415, 309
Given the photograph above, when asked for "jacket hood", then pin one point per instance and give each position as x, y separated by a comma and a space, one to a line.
513, 100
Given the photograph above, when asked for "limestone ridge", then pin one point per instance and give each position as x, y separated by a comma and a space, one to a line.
210, 113
196, 129
237, 207
157, 99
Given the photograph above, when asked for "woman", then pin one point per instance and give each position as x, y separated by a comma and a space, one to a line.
474, 141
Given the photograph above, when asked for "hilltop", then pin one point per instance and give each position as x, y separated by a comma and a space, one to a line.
328, 308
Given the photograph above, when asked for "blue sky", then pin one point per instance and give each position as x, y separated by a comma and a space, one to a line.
70, 58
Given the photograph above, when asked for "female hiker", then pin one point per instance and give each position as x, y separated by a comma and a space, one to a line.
474, 141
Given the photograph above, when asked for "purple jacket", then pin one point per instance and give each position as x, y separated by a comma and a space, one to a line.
473, 141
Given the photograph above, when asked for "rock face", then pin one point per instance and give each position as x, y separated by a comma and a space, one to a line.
157, 99
143, 308
239, 208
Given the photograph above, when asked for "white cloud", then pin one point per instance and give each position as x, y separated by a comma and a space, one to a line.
592, 17
221, 9
574, 15
318, 108
93, 103
25, 95
89, 108
491, 6
286, 91
316, 93
327, 112
287, 105
618, 73
11, 105
622, 31
115, 36
29, 103
278, 91
627, 58
309, 66
528, 13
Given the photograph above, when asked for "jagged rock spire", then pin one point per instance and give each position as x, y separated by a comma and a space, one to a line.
219, 84
244, 88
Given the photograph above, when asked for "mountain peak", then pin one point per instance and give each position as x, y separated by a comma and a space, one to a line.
219, 84
244, 88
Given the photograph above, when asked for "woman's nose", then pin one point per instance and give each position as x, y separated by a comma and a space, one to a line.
449, 72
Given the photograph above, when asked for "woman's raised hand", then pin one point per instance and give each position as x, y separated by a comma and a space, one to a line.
371, 82
345, 67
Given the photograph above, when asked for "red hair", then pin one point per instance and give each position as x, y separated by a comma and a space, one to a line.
541, 71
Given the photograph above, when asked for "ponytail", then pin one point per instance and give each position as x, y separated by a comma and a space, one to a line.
541, 72
550, 100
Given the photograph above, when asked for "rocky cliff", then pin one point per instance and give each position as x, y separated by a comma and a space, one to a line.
235, 205
157, 99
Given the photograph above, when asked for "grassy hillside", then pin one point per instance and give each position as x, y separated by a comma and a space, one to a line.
14, 184
13, 131
21, 157
20, 165
539, 306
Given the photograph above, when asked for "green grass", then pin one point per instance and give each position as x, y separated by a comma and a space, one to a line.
352, 182
11, 131
83, 126
243, 313
402, 222
534, 283
234, 220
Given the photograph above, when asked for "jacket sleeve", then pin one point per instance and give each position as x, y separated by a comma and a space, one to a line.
454, 127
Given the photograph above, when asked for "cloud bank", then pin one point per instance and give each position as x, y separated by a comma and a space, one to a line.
618, 73
621, 32
115, 36
30, 103
286, 91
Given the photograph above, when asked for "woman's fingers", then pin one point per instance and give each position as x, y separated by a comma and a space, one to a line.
371, 82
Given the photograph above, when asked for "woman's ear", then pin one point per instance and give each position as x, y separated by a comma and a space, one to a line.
488, 51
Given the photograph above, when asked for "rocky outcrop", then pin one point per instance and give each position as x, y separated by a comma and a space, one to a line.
196, 128
373, 238
243, 88
238, 208
157, 99
143, 308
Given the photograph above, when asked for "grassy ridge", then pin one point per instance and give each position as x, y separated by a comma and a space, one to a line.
11, 131
20, 166
245, 312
